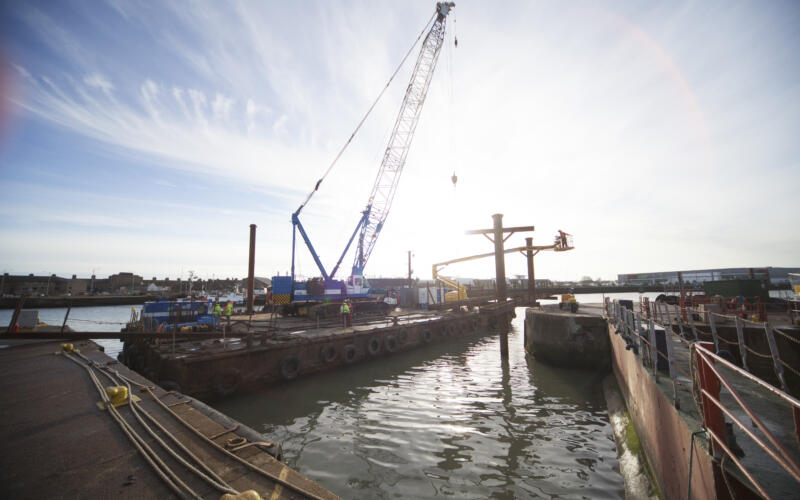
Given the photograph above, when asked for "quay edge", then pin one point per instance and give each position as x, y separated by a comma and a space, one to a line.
569, 340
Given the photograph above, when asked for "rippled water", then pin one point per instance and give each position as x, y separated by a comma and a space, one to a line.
85, 319
445, 420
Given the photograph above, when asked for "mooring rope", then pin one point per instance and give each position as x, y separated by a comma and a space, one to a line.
209, 476
244, 462
160, 468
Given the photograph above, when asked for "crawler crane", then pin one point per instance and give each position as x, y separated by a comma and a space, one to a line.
285, 289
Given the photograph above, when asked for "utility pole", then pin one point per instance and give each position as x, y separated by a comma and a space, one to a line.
412, 298
409, 269
251, 271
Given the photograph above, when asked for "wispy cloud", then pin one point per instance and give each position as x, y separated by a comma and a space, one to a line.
569, 117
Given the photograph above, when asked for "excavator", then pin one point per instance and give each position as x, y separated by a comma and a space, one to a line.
296, 296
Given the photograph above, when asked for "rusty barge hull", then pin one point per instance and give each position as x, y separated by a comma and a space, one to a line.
219, 368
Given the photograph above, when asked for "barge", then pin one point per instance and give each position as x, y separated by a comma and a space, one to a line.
265, 349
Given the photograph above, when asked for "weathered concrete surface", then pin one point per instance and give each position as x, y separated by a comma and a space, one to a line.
57, 443
567, 339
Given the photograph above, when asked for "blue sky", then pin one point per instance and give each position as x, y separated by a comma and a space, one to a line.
147, 136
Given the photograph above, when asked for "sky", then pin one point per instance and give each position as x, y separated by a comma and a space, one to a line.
147, 136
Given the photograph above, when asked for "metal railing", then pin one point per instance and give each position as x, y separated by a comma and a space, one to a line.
658, 323
714, 413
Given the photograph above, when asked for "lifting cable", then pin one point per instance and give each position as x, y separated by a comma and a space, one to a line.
341, 151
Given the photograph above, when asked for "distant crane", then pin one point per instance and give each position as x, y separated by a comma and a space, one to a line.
383, 191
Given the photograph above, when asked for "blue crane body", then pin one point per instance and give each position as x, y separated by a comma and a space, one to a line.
285, 289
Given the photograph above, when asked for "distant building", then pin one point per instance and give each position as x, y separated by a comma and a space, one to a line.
260, 285
775, 275
124, 282
32, 285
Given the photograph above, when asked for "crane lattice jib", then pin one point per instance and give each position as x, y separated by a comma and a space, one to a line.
380, 200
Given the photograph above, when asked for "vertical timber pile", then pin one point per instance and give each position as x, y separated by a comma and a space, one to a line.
251, 270
531, 275
497, 238
500, 276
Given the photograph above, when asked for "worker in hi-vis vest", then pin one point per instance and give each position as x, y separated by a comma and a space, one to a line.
228, 312
215, 314
344, 310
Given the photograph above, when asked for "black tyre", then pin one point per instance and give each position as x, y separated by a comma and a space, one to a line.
290, 367
374, 346
226, 382
390, 343
349, 353
328, 353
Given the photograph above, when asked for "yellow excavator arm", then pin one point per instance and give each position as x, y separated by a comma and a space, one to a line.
459, 291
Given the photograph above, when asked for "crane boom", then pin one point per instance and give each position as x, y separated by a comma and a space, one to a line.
394, 158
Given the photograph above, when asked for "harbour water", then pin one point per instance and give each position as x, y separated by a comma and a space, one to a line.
86, 319
449, 419
445, 420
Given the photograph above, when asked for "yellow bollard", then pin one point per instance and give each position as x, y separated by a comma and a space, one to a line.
117, 394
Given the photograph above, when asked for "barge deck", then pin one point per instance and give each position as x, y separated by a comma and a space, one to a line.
56, 439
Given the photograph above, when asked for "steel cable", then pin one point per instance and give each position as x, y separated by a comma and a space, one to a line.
346, 144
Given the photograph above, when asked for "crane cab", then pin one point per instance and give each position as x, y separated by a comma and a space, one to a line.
356, 285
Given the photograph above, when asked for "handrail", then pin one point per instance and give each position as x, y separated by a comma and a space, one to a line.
712, 415
710, 377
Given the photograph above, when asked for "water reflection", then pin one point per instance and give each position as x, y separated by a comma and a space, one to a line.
445, 420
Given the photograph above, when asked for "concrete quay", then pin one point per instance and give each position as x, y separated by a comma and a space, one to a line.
580, 342
56, 440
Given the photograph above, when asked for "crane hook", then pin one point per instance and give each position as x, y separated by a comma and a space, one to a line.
454, 178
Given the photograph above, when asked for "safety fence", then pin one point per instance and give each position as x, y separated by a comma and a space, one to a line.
699, 356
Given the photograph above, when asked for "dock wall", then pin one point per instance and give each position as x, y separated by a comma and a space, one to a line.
570, 340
